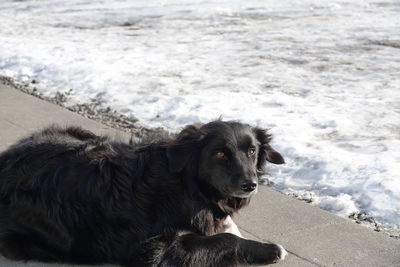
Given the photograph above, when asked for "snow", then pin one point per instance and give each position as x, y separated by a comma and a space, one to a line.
323, 75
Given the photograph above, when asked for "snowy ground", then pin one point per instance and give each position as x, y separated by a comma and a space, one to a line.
324, 75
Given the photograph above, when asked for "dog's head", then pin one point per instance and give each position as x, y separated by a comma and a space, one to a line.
226, 156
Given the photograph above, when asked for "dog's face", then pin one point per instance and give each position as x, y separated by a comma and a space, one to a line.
228, 156
228, 161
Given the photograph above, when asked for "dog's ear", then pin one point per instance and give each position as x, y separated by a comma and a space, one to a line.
266, 152
184, 148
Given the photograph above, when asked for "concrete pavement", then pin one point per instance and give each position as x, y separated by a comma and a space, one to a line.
312, 237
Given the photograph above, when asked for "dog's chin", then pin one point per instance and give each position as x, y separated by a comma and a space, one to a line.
241, 194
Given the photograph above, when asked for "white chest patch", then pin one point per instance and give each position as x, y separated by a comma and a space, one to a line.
231, 227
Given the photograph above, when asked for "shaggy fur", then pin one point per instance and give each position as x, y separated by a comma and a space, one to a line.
68, 195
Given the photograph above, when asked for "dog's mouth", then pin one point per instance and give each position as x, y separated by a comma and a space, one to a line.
244, 194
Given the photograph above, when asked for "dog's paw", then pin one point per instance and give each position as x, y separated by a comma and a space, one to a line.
282, 253
261, 253
273, 253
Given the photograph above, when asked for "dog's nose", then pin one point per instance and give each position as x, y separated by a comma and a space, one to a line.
249, 186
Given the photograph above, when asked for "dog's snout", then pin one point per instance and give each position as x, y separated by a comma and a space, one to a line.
249, 186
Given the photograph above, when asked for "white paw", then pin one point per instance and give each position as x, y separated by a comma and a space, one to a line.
283, 252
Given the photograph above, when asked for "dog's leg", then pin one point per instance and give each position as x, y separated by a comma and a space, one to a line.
190, 249
231, 227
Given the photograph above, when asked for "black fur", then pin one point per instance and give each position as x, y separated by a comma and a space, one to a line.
68, 195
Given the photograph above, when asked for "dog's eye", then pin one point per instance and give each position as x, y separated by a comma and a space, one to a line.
251, 152
220, 154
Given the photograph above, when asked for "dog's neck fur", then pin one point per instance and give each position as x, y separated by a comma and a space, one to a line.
209, 218
213, 217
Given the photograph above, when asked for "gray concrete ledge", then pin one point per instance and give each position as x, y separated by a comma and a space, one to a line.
312, 237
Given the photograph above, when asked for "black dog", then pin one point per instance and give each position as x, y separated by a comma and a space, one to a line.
68, 195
